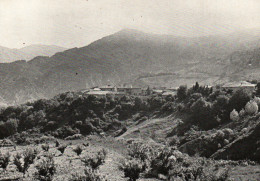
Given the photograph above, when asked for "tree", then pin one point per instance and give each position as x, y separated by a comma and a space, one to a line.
8, 128
196, 86
234, 116
182, 92
258, 89
220, 107
202, 113
251, 107
239, 100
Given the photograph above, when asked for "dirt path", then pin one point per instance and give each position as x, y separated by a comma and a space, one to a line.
147, 129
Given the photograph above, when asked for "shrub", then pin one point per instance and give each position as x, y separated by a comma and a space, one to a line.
181, 107
226, 141
89, 175
78, 150
65, 131
229, 133
45, 147
45, 169
78, 124
74, 137
62, 148
242, 113
219, 135
251, 107
29, 156
168, 107
57, 143
211, 175
257, 100
18, 163
96, 161
132, 169
161, 164
140, 151
234, 116
4, 160
174, 141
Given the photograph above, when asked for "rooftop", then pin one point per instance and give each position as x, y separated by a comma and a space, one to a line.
107, 86
98, 92
238, 84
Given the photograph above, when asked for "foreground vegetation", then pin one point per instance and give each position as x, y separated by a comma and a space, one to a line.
204, 127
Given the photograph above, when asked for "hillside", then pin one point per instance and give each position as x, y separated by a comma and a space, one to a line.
172, 137
8, 55
127, 57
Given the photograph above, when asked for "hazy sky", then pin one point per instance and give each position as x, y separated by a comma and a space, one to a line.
75, 23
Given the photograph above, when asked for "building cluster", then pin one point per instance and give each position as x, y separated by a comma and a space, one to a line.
120, 91
234, 86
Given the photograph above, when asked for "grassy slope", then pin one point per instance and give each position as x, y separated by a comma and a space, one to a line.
69, 163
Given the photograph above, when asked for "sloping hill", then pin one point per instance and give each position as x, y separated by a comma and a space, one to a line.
125, 57
8, 55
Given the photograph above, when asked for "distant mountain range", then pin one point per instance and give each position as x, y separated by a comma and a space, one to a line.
8, 55
137, 58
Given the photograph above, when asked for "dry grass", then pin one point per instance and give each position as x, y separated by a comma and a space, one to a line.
70, 163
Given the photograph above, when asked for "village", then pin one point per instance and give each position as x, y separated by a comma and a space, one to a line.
122, 90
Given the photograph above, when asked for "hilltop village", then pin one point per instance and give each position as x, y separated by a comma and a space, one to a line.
122, 90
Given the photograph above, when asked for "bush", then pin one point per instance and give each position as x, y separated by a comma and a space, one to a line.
140, 151
57, 143
18, 163
229, 133
65, 131
29, 156
257, 100
74, 137
78, 150
96, 161
4, 160
242, 113
161, 164
132, 169
234, 116
45, 147
251, 108
45, 169
168, 107
62, 148
89, 175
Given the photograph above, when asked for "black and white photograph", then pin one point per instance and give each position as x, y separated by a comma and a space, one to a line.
129, 90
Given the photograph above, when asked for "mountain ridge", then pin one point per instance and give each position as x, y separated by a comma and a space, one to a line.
8, 55
126, 56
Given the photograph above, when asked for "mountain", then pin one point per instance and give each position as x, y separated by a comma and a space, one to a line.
8, 55
129, 56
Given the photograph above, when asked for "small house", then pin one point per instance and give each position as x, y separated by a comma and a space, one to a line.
234, 86
165, 94
130, 90
108, 88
